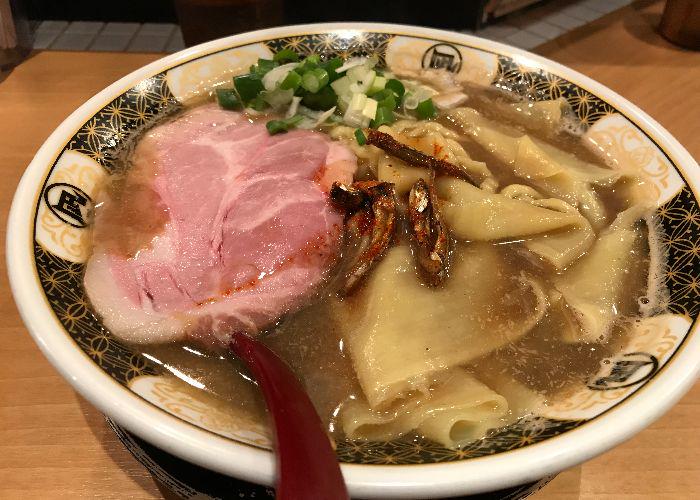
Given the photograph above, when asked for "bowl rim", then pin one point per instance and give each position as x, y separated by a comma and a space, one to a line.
257, 465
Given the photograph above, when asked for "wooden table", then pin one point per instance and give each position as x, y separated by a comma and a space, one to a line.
53, 444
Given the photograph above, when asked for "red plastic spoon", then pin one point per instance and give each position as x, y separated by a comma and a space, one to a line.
306, 464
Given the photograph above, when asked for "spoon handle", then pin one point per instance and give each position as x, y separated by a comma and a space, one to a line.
306, 464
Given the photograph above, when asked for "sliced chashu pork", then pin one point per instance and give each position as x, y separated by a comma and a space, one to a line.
238, 228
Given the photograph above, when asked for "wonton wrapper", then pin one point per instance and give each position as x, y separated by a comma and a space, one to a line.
592, 289
542, 116
401, 333
501, 373
453, 413
456, 410
402, 176
551, 170
552, 228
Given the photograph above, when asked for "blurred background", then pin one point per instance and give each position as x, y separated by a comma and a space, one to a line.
171, 25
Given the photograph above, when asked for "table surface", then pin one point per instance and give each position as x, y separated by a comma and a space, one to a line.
55, 444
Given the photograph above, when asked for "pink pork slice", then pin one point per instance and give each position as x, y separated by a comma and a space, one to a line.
250, 231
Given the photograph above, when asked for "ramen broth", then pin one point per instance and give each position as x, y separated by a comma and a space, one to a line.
311, 340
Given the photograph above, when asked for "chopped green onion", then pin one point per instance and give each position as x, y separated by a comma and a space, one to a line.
248, 86
293, 107
396, 87
360, 74
228, 99
354, 114
273, 79
310, 82
388, 102
341, 85
277, 98
364, 83
426, 109
370, 110
294, 120
263, 66
324, 99
386, 98
291, 81
383, 94
330, 66
322, 76
410, 101
258, 103
285, 56
315, 79
313, 59
277, 126
377, 84
343, 101
311, 62
360, 137
384, 116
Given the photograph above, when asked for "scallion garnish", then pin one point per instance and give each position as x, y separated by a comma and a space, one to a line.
331, 66
278, 126
384, 116
258, 103
228, 99
263, 66
248, 86
359, 95
310, 62
291, 81
388, 102
426, 109
314, 80
396, 87
383, 94
285, 56
360, 137
324, 99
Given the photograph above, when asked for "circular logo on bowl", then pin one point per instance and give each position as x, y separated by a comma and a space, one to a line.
443, 56
630, 369
69, 203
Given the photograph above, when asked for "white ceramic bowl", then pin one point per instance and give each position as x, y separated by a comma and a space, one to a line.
45, 251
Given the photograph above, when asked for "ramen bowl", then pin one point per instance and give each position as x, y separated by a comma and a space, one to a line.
49, 241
